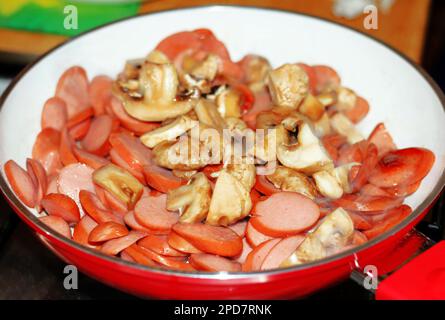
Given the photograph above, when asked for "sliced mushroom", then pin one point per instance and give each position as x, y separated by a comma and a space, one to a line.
333, 183
168, 132
332, 234
120, 183
192, 200
288, 179
230, 201
155, 98
304, 152
208, 114
342, 125
288, 85
207, 68
346, 99
312, 108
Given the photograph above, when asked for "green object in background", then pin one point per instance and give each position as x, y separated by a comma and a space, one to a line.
48, 15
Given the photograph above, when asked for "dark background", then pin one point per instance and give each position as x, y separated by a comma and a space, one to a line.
30, 271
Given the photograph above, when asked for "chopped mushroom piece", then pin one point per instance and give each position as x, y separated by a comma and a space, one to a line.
312, 108
207, 69
332, 234
328, 185
342, 125
288, 179
192, 200
155, 98
256, 69
327, 98
333, 183
322, 127
288, 85
243, 172
230, 201
306, 154
228, 103
346, 99
168, 132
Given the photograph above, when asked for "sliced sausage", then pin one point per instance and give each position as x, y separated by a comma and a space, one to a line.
54, 114
402, 167
211, 239
254, 237
117, 160
131, 150
284, 214
72, 88
80, 130
281, 251
368, 204
80, 117
265, 186
159, 244
381, 138
179, 243
114, 246
46, 150
95, 208
82, 231
96, 140
57, 204
151, 212
256, 257
239, 227
39, 179
177, 263
359, 111
213, 263
100, 93
21, 183
106, 231
57, 224
161, 179
66, 148
246, 250
394, 217
73, 178
91, 160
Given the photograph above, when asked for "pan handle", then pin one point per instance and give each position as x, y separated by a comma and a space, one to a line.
416, 271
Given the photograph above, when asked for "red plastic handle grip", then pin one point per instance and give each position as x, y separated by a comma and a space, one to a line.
421, 278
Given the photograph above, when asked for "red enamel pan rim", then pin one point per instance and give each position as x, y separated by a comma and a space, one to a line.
425, 205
